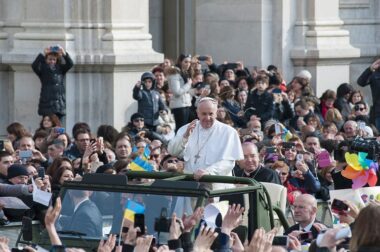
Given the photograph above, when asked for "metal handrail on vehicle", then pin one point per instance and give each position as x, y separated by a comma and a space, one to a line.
217, 179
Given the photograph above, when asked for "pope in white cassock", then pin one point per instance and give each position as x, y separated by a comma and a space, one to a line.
207, 146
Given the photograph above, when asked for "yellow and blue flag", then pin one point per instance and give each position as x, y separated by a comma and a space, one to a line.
139, 164
132, 208
286, 134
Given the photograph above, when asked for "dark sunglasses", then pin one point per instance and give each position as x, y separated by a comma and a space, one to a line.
361, 109
172, 161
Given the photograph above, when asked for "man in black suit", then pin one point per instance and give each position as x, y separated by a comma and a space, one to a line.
305, 211
86, 218
250, 166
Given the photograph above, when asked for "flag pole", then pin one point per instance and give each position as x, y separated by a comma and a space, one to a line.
121, 230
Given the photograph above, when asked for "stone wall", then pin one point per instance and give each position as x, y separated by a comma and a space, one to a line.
109, 42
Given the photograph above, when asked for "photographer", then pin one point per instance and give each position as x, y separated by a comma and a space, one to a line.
371, 76
149, 100
301, 171
51, 68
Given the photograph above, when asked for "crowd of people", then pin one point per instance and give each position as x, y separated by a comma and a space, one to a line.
204, 119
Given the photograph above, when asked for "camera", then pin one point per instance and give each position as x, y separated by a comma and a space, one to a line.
25, 154
202, 58
271, 149
41, 172
140, 222
54, 49
339, 206
162, 223
288, 145
282, 241
306, 236
59, 131
231, 66
367, 145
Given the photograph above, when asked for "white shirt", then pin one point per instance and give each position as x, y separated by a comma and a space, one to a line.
79, 203
307, 228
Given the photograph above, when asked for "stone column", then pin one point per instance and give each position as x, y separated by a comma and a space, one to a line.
110, 44
321, 46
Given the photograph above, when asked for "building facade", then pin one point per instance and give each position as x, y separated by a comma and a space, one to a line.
113, 42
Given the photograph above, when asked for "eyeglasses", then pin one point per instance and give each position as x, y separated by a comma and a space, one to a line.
139, 120
291, 149
172, 161
359, 108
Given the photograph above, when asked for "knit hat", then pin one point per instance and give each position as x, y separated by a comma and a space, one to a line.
147, 75
17, 170
136, 116
305, 74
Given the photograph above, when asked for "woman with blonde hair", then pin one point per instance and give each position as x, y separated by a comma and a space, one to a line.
333, 115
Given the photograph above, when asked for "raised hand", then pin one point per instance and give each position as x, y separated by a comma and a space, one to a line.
232, 219
4, 244
375, 65
190, 221
143, 243
107, 246
190, 128
176, 228
205, 239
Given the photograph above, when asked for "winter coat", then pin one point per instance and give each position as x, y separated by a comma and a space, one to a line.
283, 111
149, 104
233, 109
181, 97
53, 94
373, 80
343, 106
262, 105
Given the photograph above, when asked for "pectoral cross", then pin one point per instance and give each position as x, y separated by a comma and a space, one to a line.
196, 158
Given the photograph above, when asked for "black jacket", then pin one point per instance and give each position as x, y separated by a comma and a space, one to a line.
283, 111
261, 174
373, 79
261, 105
53, 94
293, 121
343, 106
296, 227
149, 104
